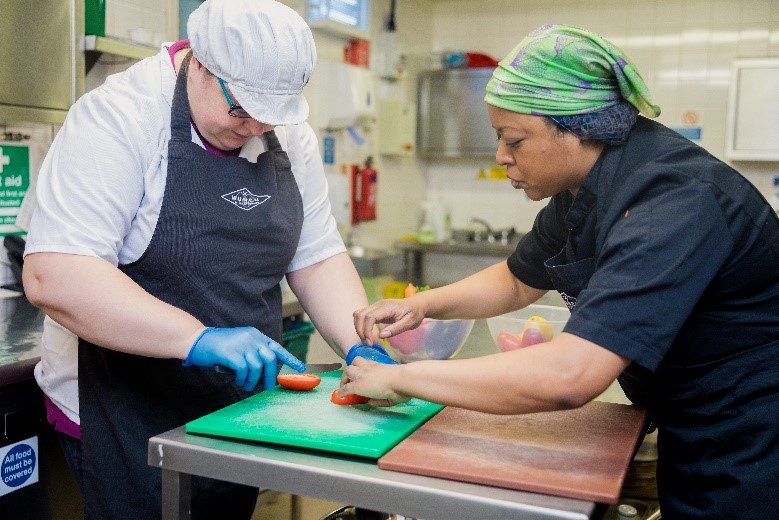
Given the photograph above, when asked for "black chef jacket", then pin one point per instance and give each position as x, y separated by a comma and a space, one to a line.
681, 277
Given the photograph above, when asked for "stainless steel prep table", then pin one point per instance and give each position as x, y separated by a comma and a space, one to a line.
349, 480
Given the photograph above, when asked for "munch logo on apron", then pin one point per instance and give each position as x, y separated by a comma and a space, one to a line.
245, 199
570, 301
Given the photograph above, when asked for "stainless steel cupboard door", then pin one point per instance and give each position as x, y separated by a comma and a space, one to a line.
452, 116
41, 66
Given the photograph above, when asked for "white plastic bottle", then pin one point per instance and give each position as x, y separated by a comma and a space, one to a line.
436, 216
427, 232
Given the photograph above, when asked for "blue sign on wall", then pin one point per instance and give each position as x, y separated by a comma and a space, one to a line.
693, 133
18, 465
328, 149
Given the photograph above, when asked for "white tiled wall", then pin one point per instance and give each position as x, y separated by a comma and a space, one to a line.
683, 48
149, 22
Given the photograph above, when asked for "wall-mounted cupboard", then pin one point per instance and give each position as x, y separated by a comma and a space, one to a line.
753, 111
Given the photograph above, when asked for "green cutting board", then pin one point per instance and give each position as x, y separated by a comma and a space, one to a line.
310, 420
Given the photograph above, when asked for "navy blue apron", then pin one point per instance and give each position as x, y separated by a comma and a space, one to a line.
227, 230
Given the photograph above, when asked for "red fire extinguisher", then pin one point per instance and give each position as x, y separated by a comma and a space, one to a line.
364, 192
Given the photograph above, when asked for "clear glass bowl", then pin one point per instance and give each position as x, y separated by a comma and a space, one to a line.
433, 339
510, 331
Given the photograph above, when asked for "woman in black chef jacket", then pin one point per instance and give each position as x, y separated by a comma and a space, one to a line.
667, 258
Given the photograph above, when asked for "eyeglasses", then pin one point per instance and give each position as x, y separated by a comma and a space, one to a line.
235, 109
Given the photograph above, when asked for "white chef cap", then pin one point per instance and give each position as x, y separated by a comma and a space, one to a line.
263, 49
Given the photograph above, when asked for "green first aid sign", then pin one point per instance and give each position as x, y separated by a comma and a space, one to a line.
14, 181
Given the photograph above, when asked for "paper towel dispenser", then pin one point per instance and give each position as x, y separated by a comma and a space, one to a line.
342, 96
452, 115
752, 133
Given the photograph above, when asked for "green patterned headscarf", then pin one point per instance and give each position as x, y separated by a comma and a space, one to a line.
561, 70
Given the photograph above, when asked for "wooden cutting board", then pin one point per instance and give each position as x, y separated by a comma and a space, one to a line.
582, 453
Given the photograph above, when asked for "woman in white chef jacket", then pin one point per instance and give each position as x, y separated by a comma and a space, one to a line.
168, 210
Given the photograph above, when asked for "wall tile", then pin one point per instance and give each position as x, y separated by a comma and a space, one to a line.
683, 49
755, 11
725, 12
696, 13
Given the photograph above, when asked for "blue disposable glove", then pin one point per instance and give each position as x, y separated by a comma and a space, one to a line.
245, 350
373, 352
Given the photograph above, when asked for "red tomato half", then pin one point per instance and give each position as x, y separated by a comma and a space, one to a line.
298, 381
349, 399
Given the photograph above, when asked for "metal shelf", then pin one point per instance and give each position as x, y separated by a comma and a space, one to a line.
95, 46
118, 47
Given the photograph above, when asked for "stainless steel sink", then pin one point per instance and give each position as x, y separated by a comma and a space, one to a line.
497, 236
371, 262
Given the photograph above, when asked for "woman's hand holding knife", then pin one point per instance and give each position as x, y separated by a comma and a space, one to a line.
245, 350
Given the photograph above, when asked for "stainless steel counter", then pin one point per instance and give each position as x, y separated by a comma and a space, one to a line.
415, 253
349, 480
482, 248
21, 325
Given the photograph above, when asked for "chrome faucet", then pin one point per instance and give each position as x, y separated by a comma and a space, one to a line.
483, 222
488, 228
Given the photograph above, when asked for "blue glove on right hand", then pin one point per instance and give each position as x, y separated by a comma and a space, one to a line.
246, 350
373, 352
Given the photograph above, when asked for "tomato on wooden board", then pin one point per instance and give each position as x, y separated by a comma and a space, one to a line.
349, 399
301, 382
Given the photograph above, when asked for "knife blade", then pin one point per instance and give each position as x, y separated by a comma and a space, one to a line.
311, 368
317, 368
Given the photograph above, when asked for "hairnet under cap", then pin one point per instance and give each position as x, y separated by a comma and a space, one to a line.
560, 70
263, 49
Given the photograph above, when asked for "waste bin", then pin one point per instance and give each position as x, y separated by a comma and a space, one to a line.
295, 338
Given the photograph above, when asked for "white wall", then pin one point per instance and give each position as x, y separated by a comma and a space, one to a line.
683, 48
402, 181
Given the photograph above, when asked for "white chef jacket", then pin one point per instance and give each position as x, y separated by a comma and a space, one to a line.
100, 189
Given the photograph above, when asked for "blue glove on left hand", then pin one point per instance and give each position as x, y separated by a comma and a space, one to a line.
246, 350
373, 352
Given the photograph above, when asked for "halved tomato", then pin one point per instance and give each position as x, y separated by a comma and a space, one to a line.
298, 381
349, 399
